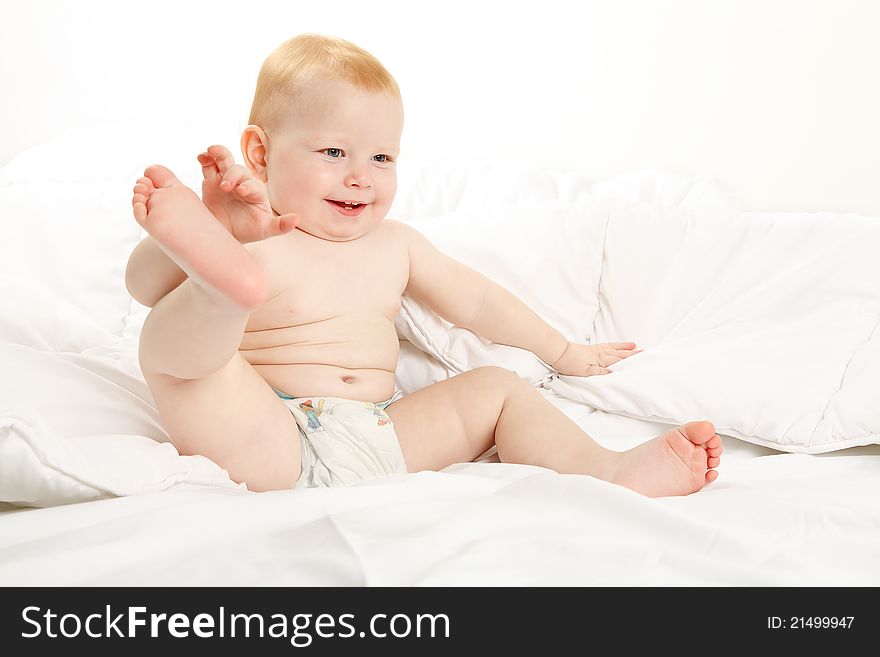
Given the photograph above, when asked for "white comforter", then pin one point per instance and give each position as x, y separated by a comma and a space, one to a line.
764, 323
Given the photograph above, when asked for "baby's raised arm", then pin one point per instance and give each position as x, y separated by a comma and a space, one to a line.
238, 200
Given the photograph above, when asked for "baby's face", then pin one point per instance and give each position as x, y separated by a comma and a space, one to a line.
332, 159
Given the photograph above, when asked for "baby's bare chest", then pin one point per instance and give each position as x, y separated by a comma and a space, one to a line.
314, 281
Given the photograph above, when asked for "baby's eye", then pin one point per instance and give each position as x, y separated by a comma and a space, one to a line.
381, 157
333, 152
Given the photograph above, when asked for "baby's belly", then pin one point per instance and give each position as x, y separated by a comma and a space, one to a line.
349, 357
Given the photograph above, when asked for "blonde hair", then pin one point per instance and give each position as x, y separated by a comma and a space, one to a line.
312, 56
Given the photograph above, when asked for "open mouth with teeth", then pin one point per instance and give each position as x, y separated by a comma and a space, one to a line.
348, 208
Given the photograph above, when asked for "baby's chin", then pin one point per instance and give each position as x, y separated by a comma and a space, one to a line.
333, 236
339, 231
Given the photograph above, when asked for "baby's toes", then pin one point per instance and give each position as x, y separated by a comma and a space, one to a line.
713, 462
160, 176
701, 433
139, 207
144, 186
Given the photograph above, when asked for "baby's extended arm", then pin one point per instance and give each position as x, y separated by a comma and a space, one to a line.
469, 299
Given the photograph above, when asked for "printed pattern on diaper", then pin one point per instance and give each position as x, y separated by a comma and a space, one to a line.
379, 413
344, 442
312, 414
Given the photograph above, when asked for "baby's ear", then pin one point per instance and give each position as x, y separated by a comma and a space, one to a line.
254, 146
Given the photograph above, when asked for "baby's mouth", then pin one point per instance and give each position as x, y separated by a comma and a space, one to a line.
348, 208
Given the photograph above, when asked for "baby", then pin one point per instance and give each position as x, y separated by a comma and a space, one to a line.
271, 348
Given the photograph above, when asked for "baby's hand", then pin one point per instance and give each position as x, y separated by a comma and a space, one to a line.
238, 200
590, 359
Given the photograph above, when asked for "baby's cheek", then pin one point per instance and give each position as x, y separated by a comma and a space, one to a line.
285, 197
386, 190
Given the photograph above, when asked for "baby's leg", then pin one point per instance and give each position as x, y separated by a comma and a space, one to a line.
185, 230
150, 274
211, 401
458, 419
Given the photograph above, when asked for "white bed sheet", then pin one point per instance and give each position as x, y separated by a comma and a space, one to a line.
771, 519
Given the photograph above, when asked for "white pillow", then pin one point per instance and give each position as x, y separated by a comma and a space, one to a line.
71, 238
765, 324
65, 208
78, 426
77, 420
42, 467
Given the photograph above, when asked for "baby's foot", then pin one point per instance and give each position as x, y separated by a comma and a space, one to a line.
677, 462
190, 235
238, 200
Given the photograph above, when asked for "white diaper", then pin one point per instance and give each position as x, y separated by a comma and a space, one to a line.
345, 442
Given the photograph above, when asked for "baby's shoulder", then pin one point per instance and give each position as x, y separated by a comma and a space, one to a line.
393, 233
401, 231
391, 226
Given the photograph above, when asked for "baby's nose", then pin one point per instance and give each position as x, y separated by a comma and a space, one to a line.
358, 177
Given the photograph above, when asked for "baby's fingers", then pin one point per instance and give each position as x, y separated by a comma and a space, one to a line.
617, 350
608, 358
209, 168
620, 354
251, 191
620, 346
233, 177
222, 157
283, 224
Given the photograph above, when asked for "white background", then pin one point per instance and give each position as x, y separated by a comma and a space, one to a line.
778, 99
